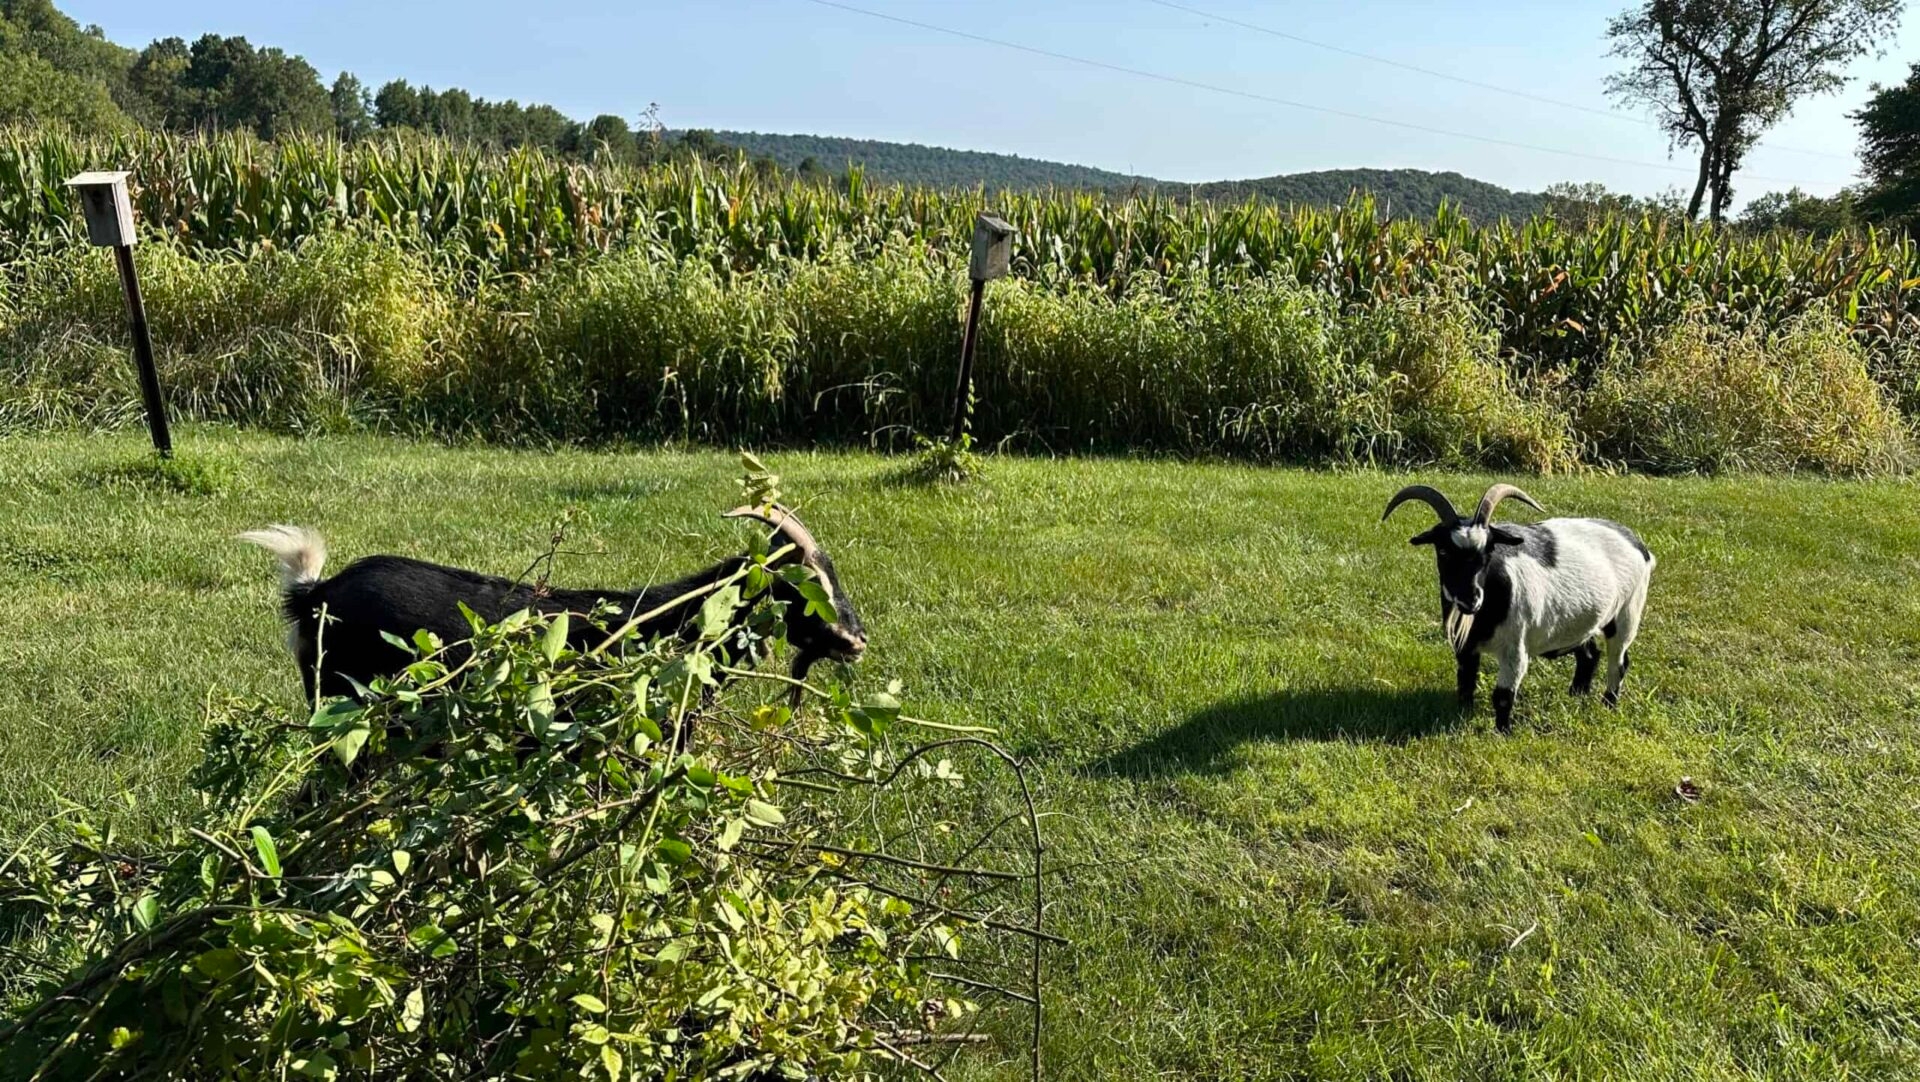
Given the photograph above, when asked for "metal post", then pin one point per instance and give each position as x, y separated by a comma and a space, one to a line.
109, 213
143, 353
964, 390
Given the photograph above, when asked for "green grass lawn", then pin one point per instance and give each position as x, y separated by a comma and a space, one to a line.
1289, 856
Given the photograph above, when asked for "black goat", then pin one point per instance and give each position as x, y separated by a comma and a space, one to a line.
399, 596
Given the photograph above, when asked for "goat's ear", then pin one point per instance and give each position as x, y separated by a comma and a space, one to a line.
1501, 536
1428, 537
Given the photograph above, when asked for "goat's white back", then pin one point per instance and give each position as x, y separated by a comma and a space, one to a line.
1597, 574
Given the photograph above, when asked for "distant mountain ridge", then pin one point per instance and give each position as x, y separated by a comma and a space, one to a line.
1400, 192
1403, 192
914, 163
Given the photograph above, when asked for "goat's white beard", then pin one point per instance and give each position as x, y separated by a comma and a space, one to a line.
1459, 626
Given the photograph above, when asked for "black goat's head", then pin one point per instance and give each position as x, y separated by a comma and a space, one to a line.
812, 636
1463, 546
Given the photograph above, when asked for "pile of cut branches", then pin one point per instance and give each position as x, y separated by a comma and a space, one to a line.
541, 863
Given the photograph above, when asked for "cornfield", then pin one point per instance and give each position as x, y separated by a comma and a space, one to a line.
505, 240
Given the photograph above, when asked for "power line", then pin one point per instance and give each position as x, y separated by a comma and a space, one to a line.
1610, 114
1269, 99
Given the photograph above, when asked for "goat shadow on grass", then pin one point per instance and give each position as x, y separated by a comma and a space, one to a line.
1206, 741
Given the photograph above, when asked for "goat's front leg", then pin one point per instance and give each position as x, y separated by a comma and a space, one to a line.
1466, 678
1586, 662
1513, 669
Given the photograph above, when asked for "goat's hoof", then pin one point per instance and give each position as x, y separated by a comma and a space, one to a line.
1580, 689
1611, 699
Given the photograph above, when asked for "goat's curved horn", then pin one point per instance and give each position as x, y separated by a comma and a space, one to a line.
783, 520
1428, 495
1484, 513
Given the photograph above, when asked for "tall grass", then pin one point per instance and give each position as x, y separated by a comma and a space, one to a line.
344, 331
431, 287
1704, 397
1557, 295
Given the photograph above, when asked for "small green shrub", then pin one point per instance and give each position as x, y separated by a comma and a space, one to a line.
1702, 397
1443, 395
943, 461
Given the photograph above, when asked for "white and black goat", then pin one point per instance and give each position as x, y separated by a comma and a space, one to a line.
396, 595
1542, 590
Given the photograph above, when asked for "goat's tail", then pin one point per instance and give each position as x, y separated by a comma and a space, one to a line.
301, 552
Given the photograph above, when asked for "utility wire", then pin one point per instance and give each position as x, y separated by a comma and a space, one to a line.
1271, 100
1610, 114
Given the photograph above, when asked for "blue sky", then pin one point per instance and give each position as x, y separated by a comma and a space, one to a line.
798, 66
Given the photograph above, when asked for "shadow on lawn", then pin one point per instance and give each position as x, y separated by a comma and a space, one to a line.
1205, 741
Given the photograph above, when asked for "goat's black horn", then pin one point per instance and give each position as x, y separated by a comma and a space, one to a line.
1484, 513
1428, 495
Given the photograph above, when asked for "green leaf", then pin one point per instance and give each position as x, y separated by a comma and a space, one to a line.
590, 1003
555, 640
121, 1037
346, 746
948, 939
674, 851
335, 714
497, 675
730, 835
873, 717
716, 612
413, 1011
818, 603
146, 911
610, 1059
434, 940
761, 813
318, 1065
269, 855
540, 708
220, 963
401, 860
594, 1033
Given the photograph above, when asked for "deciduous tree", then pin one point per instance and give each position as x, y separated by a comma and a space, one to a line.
1718, 73
1890, 151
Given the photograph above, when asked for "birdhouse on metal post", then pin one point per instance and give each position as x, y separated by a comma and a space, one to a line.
992, 257
992, 248
109, 211
103, 196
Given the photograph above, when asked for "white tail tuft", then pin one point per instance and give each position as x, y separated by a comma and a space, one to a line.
301, 552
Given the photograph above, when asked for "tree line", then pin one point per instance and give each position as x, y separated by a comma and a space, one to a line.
1715, 74
52, 70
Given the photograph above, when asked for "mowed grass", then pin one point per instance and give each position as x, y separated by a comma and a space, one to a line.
1284, 853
